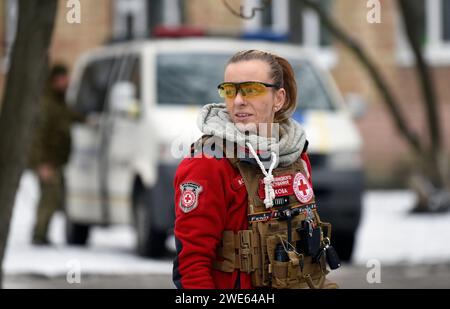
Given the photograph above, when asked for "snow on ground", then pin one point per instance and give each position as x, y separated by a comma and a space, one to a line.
387, 233
390, 233
111, 250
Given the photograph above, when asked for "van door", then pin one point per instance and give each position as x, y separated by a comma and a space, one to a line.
124, 141
87, 198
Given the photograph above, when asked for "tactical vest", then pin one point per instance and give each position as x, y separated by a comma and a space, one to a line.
281, 247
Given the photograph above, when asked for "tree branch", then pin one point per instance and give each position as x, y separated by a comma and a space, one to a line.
410, 14
382, 86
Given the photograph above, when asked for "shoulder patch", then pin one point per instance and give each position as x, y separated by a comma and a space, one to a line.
189, 196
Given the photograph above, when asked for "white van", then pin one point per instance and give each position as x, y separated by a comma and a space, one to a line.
145, 96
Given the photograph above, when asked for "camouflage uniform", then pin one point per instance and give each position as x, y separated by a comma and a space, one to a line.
51, 146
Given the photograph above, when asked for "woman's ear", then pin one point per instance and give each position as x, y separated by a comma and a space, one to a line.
280, 99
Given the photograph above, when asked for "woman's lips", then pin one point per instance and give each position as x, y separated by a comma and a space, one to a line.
242, 116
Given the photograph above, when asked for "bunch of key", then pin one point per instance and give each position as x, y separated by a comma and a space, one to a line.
309, 243
331, 255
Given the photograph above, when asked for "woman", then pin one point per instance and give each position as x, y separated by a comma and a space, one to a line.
245, 215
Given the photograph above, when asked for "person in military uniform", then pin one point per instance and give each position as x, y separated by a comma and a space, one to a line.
246, 215
51, 149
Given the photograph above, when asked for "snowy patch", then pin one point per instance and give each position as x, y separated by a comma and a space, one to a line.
111, 250
390, 233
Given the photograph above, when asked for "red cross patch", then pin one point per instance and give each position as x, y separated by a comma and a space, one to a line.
189, 196
302, 188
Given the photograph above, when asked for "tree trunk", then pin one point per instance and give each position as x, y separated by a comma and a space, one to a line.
23, 87
435, 165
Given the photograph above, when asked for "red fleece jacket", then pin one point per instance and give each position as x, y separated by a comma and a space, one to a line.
210, 197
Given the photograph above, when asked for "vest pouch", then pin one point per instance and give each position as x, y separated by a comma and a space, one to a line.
266, 243
278, 262
248, 248
298, 272
289, 275
280, 274
314, 272
226, 261
285, 266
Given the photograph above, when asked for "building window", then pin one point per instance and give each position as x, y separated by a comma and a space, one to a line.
434, 22
173, 12
289, 17
11, 18
326, 38
446, 21
298, 24
130, 19
139, 18
155, 14
313, 32
168, 13
267, 18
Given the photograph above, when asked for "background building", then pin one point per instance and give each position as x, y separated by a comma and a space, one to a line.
385, 153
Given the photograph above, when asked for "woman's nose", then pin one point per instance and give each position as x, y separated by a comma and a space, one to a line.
239, 100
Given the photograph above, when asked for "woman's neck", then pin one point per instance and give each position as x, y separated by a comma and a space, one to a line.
261, 129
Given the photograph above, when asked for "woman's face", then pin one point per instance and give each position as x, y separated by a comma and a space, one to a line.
258, 109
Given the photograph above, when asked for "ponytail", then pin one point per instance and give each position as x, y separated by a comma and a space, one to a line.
290, 86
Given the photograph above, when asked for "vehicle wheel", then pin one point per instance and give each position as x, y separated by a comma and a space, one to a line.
76, 234
344, 242
150, 241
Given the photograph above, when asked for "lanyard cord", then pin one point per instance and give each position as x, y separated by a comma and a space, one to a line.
268, 179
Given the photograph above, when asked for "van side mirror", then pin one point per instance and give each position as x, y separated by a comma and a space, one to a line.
356, 104
123, 99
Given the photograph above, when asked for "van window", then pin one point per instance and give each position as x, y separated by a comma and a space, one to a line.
189, 79
311, 93
192, 79
98, 78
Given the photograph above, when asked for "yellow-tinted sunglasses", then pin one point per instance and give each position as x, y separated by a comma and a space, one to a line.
247, 89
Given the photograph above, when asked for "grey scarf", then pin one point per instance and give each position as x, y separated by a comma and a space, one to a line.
215, 120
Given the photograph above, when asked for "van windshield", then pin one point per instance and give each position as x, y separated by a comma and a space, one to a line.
192, 79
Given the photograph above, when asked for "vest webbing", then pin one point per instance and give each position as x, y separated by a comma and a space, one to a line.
251, 250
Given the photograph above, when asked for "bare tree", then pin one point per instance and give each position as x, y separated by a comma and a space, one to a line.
374, 72
431, 180
434, 192
24, 85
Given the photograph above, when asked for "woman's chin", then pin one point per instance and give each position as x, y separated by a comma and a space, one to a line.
246, 126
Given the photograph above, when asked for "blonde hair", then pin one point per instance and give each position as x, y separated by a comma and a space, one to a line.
282, 74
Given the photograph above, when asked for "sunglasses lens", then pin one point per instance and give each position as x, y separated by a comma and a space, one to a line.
252, 89
227, 91
247, 89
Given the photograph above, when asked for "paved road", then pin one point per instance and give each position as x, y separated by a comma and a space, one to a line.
348, 277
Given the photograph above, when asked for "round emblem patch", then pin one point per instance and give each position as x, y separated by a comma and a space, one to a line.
189, 196
302, 188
